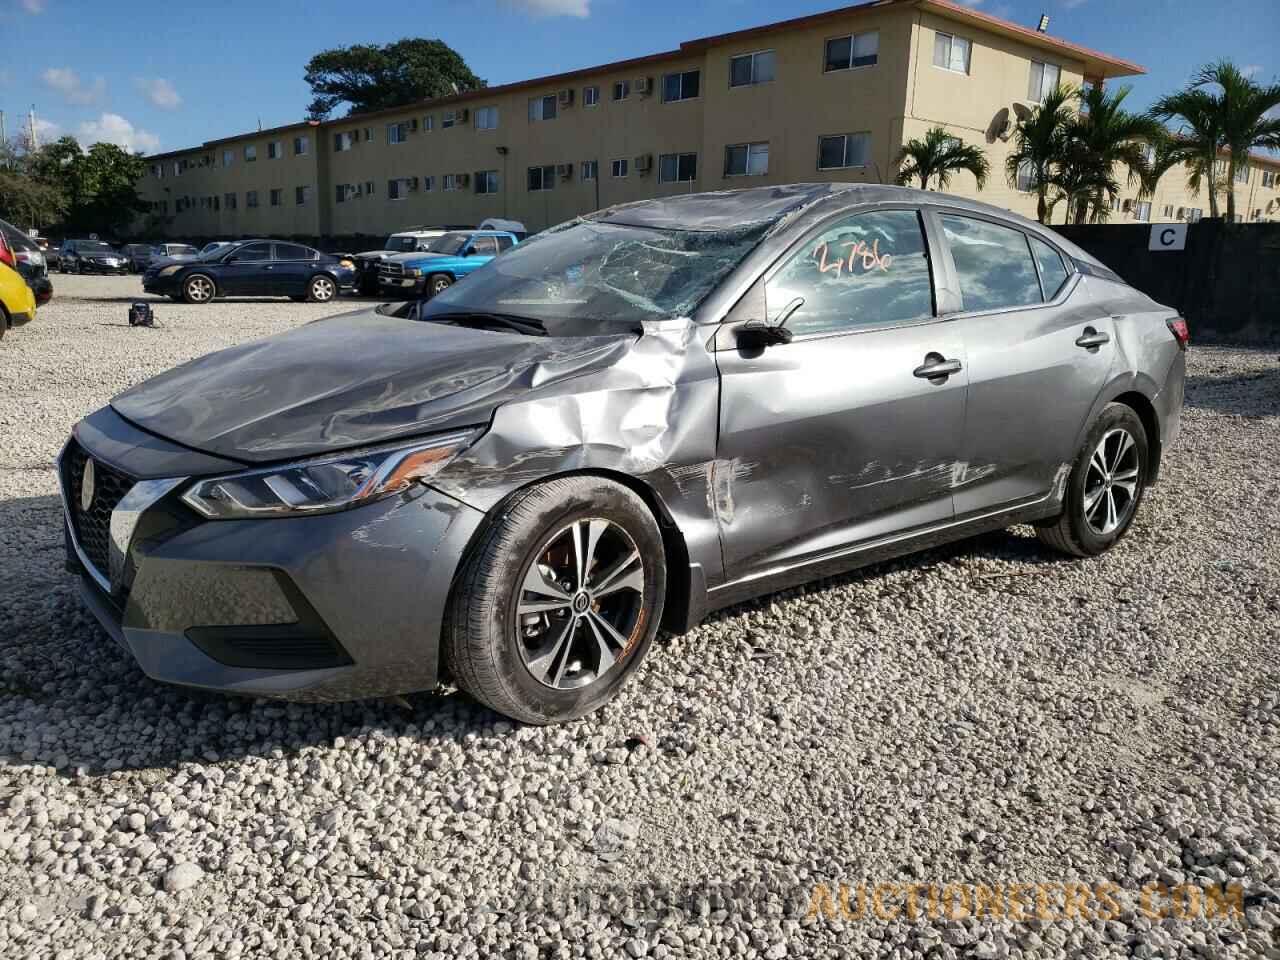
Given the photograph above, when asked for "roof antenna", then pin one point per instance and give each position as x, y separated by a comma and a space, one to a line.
1043, 27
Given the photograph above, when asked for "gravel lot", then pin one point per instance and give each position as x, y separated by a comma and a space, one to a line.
984, 713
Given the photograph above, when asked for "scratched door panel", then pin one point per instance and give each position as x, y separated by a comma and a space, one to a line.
834, 438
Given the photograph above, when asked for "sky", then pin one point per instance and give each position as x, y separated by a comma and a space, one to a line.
163, 76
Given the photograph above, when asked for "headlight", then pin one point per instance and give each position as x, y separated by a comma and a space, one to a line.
325, 485
349, 264
169, 270
413, 272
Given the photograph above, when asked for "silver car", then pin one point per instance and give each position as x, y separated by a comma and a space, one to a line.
626, 422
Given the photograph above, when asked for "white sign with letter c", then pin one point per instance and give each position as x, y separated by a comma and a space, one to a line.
1168, 236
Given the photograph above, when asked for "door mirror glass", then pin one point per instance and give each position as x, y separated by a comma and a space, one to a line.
867, 270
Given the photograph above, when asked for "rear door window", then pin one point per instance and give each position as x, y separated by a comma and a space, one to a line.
1053, 272
993, 263
867, 270
293, 251
485, 246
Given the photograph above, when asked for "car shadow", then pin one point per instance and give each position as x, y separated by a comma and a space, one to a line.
1254, 395
71, 699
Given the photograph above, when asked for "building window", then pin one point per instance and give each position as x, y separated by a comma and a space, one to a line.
487, 118
618, 168
228, 157
251, 152
428, 184
344, 192
677, 168
277, 197
621, 89
1045, 78
343, 141
1242, 173
681, 86
274, 150
1026, 180
543, 108
301, 196
841, 150
542, 178
251, 198
398, 132
857, 50
229, 201
951, 53
398, 189
1268, 178
301, 146
450, 182
746, 159
1168, 211
428, 123
368, 188
449, 119
1142, 210
749, 69
368, 133
590, 169
590, 96
486, 181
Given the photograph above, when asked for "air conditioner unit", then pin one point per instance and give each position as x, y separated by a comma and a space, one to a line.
643, 86
464, 179
564, 170
1127, 206
1181, 214
413, 183
462, 115
644, 162
565, 97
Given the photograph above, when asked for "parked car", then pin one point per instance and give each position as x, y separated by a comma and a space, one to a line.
17, 299
165, 253
91, 256
138, 256
446, 260
29, 261
629, 420
213, 247
254, 268
406, 241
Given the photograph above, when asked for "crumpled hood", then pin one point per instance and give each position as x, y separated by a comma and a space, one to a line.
416, 256
351, 380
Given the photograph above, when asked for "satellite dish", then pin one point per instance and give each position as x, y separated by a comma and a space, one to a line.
1001, 126
1023, 110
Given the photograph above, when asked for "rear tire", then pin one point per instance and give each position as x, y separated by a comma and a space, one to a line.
1105, 487
561, 648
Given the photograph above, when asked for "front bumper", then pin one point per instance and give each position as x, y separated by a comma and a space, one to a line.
400, 286
329, 607
93, 266
159, 285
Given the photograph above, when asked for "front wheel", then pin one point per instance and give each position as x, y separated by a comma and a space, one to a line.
321, 289
198, 288
438, 283
559, 600
1105, 486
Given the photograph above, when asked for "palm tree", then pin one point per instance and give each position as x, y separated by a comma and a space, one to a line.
1170, 152
1039, 144
938, 156
1100, 138
1232, 119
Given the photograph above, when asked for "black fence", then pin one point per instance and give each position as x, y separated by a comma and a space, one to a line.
1226, 282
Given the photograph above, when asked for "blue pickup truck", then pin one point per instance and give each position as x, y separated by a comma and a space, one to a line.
446, 260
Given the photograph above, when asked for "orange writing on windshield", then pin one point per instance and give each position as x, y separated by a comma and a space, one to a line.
871, 257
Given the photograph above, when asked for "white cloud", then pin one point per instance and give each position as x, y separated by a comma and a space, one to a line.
1072, 4
160, 92
1251, 70
113, 128
32, 6
65, 81
47, 131
551, 8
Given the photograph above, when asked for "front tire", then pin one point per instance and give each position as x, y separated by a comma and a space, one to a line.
198, 288
321, 289
1105, 487
438, 283
558, 602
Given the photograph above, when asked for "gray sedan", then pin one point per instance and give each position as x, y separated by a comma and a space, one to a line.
629, 421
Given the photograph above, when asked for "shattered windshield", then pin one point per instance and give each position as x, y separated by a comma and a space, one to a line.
597, 273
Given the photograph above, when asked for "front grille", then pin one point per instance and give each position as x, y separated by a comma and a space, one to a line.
392, 271
92, 528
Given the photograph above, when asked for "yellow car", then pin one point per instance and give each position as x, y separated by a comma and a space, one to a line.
17, 302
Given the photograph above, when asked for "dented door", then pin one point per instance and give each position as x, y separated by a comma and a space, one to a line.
852, 431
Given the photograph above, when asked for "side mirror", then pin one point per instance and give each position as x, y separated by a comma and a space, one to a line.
756, 334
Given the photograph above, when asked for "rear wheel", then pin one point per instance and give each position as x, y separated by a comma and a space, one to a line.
198, 288
559, 600
1105, 486
321, 289
438, 283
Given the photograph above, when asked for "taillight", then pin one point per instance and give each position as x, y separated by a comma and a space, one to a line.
1181, 333
6, 254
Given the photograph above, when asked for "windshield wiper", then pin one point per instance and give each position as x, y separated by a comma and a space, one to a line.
525, 325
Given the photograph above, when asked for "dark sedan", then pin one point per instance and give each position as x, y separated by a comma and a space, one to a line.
91, 256
253, 268
29, 260
632, 419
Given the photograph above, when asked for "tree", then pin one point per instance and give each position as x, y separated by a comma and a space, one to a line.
1168, 153
1039, 144
938, 156
76, 190
1232, 119
25, 200
1097, 140
371, 77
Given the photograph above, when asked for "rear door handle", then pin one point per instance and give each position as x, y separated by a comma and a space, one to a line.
935, 367
1091, 339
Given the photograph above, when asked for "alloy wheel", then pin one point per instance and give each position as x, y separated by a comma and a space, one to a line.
580, 605
321, 289
440, 284
200, 289
1111, 482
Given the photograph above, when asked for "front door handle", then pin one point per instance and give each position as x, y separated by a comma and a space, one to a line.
937, 367
1091, 339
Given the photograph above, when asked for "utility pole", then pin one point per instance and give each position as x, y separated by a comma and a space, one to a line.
31, 117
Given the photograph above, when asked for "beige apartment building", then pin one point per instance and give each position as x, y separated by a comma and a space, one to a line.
831, 96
